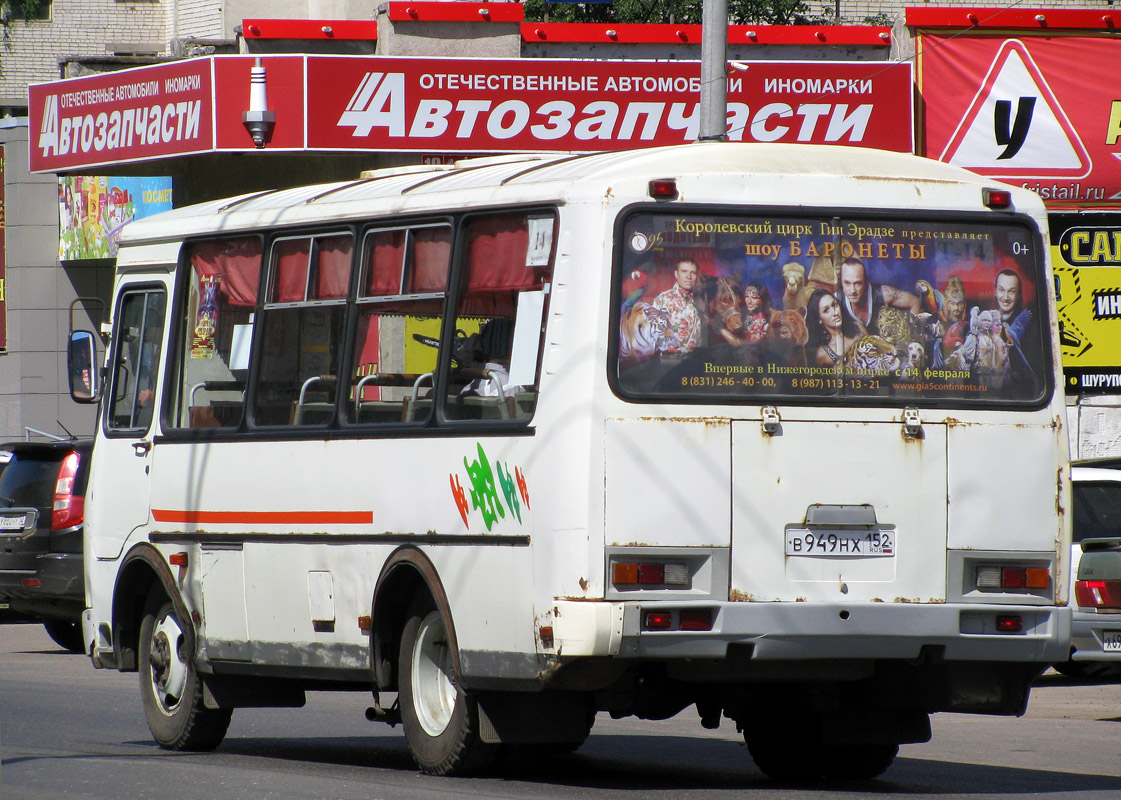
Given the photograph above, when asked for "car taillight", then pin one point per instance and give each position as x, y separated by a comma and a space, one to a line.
68, 509
1098, 594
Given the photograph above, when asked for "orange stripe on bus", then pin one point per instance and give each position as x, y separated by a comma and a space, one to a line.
264, 517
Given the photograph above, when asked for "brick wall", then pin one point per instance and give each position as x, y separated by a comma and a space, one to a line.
200, 19
91, 28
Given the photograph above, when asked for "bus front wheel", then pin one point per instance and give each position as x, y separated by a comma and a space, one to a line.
441, 721
170, 687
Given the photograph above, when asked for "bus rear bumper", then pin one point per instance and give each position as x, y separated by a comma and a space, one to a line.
799, 631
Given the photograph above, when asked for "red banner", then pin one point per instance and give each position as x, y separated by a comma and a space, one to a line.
537, 104
340, 103
1030, 110
132, 115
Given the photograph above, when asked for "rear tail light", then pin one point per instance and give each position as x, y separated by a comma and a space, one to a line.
1098, 594
698, 620
650, 574
685, 619
68, 508
1009, 623
999, 577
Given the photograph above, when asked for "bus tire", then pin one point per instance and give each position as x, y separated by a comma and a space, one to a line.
782, 760
859, 762
170, 687
441, 721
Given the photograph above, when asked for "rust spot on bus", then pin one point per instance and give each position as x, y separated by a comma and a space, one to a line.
708, 422
736, 596
1059, 493
584, 584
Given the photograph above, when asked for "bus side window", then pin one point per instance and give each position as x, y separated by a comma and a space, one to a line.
500, 317
302, 320
139, 334
213, 353
401, 295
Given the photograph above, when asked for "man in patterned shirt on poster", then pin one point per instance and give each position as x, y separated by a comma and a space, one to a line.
684, 332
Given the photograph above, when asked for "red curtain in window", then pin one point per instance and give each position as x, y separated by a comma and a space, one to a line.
238, 264
333, 257
497, 248
385, 255
432, 249
290, 271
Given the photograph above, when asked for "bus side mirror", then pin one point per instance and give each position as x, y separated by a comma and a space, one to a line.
81, 358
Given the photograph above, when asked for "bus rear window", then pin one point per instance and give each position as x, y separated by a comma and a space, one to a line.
720, 308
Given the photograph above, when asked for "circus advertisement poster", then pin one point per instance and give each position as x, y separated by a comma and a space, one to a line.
738, 308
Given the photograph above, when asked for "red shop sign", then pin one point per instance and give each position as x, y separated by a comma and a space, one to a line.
131, 115
459, 105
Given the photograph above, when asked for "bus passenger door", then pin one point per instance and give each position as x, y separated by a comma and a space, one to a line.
119, 481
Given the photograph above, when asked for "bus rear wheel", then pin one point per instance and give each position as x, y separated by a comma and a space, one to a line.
441, 721
170, 687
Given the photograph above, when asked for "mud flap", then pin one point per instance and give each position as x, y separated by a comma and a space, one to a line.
532, 717
236, 691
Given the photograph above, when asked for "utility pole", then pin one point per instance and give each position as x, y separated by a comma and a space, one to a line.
714, 71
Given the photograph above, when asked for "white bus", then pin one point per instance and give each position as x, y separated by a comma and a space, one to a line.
775, 432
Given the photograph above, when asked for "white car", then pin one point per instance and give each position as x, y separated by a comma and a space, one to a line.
1096, 625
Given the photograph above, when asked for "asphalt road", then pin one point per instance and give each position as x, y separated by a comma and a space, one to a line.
69, 731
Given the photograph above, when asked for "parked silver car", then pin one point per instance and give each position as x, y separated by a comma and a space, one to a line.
1096, 623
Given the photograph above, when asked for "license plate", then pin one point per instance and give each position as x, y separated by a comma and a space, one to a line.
1111, 641
803, 542
13, 523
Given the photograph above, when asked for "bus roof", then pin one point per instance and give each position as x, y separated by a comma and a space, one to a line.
711, 172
